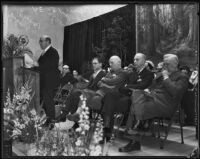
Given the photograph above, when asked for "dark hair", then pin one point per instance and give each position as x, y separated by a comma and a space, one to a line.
48, 39
100, 60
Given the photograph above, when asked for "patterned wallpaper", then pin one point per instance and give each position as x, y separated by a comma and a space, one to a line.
35, 21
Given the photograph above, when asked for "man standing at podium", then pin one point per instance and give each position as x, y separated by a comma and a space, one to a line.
49, 76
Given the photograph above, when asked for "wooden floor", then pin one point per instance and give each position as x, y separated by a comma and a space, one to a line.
150, 146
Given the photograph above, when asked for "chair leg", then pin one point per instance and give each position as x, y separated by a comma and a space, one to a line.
153, 128
162, 141
119, 120
158, 128
181, 126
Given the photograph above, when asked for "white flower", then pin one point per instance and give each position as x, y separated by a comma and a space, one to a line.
33, 112
53, 153
92, 147
78, 129
86, 117
54, 146
83, 132
98, 147
78, 143
87, 127
83, 106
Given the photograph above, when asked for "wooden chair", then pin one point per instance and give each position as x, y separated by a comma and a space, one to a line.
118, 119
61, 96
169, 122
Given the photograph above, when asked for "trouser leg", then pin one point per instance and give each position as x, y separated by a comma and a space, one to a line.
49, 103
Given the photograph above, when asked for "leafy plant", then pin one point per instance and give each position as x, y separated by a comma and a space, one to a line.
14, 46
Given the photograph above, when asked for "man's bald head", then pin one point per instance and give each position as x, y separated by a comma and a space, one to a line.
170, 62
115, 62
139, 60
44, 41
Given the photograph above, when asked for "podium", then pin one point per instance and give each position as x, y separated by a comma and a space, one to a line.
12, 75
34, 76
15, 75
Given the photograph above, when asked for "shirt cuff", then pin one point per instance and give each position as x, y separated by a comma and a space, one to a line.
166, 77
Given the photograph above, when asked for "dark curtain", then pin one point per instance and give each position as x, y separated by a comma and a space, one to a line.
80, 37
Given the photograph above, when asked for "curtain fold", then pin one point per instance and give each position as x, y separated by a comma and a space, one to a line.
79, 38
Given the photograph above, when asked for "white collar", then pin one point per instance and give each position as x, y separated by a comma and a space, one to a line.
97, 71
47, 48
141, 69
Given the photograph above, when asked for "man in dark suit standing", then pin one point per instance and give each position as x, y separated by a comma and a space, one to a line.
161, 101
49, 76
139, 78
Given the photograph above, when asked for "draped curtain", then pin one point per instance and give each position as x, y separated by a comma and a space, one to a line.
80, 37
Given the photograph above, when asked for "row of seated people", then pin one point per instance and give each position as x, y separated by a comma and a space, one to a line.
125, 91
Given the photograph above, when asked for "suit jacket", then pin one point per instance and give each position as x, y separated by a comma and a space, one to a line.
93, 81
162, 101
141, 80
169, 93
48, 67
115, 79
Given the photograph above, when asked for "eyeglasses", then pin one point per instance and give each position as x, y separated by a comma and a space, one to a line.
94, 63
40, 41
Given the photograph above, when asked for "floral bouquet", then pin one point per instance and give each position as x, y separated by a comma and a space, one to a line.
82, 141
19, 121
14, 46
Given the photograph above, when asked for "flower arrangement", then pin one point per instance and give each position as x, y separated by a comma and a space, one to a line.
89, 133
82, 141
21, 123
15, 46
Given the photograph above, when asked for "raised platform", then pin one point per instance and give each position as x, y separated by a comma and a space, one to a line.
150, 145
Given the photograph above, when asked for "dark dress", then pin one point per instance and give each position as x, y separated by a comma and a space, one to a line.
68, 78
49, 79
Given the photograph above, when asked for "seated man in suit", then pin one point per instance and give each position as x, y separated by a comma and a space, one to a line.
113, 80
73, 99
161, 101
139, 78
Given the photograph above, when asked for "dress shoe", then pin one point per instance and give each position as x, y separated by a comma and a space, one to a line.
73, 117
131, 146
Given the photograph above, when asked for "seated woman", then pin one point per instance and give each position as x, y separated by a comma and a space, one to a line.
161, 101
67, 77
